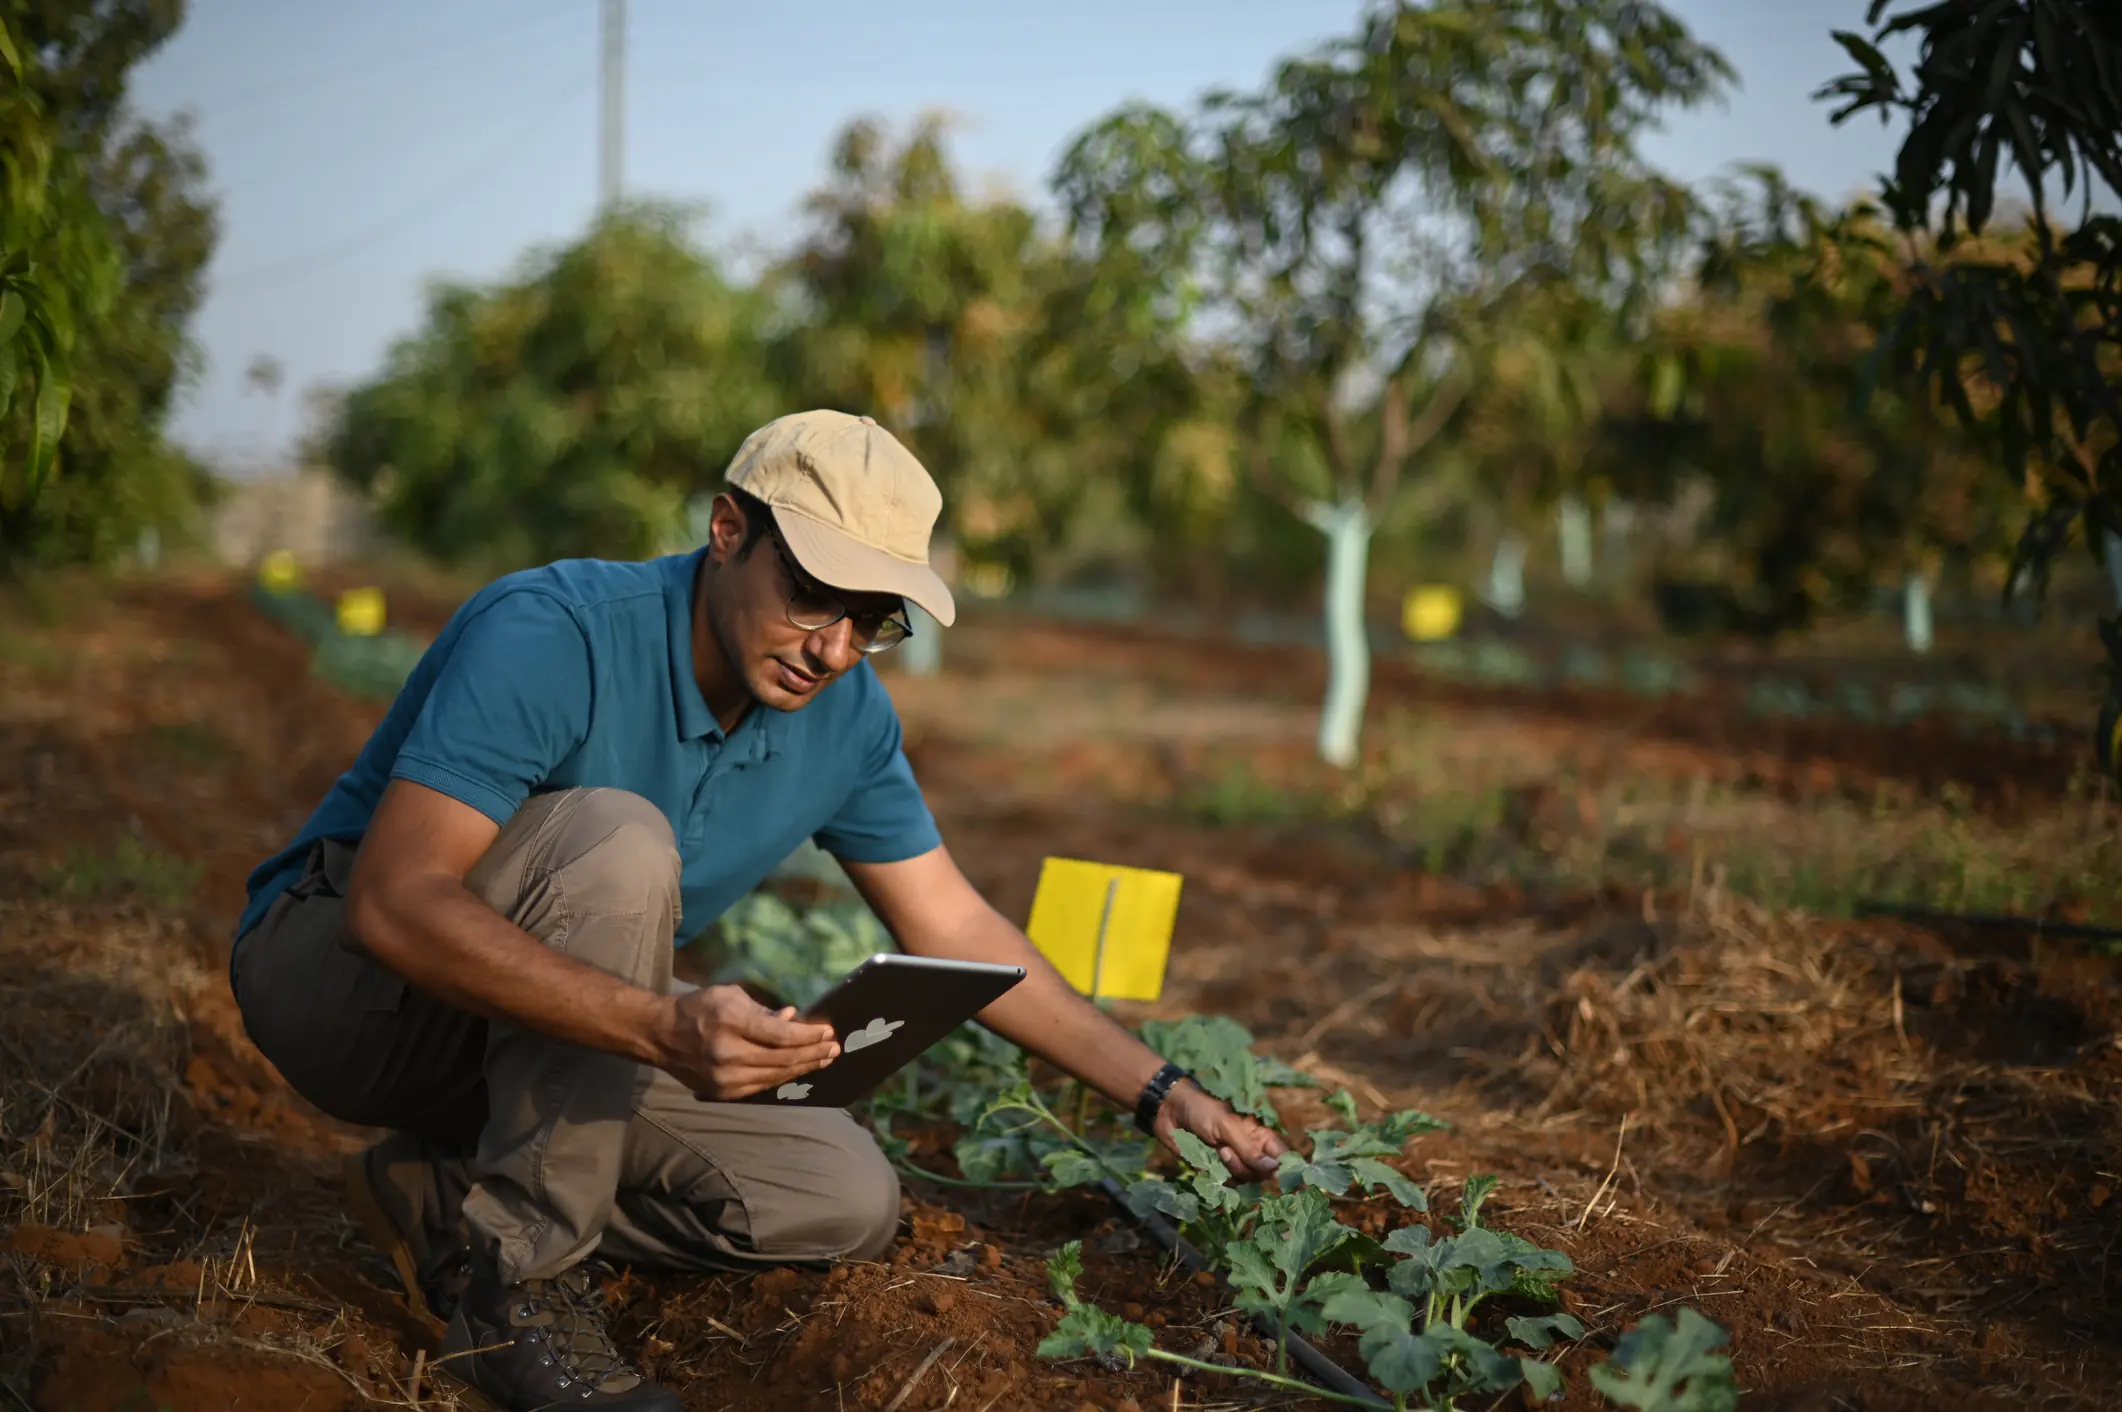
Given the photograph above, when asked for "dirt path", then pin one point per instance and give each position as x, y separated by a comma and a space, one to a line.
1885, 1164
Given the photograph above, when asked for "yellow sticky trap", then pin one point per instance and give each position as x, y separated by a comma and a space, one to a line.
1070, 909
1431, 612
278, 572
361, 612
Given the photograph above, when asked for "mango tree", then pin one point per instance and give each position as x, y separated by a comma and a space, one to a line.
1348, 232
571, 410
2024, 345
1742, 383
1046, 392
105, 233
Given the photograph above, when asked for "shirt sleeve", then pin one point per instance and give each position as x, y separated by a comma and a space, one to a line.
884, 819
511, 702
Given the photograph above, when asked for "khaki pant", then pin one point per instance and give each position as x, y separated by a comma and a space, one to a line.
568, 1151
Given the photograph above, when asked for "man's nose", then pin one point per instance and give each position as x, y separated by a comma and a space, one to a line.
834, 646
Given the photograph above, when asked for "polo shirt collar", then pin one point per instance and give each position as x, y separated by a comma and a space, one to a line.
761, 728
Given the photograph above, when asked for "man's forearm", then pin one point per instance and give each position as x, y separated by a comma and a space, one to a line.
1044, 1014
438, 936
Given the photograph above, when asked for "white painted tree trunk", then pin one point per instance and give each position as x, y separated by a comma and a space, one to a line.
1915, 613
1347, 527
1573, 526
1506, 575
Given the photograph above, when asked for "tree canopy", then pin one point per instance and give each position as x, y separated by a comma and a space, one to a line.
104, 242
571, 410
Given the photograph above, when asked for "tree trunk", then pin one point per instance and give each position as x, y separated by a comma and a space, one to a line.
1915, 613
1347, 527
924, 650
1506, 575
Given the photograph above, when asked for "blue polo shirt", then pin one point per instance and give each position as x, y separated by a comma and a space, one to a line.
580, 674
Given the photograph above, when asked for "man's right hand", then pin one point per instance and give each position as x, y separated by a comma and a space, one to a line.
724, 1045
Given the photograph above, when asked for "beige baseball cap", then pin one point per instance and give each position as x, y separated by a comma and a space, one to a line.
853, 504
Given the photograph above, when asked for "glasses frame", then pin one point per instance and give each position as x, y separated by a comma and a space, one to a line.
806, 586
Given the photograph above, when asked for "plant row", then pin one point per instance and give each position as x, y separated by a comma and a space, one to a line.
1438, 1312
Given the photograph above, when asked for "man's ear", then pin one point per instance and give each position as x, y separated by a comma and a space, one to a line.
725, 530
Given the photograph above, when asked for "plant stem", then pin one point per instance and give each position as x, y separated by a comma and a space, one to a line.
1294, 1384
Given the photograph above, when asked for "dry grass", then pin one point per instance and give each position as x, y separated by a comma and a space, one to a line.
94, 1123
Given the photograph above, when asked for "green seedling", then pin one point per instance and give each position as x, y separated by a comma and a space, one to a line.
1088, 1331
1657, 1367
1292, 1237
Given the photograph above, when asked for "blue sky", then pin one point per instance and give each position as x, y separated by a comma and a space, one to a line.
360, 149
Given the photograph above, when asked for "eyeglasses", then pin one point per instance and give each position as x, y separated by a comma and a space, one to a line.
814, 607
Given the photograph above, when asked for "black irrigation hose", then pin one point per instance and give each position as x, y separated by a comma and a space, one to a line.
1325, 1369
2038, 926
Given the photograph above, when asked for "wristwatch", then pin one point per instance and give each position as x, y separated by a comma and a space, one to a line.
1153, 1095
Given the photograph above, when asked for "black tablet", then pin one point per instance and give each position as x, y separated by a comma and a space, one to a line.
885, 1012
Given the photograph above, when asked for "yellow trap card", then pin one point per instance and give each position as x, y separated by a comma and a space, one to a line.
1071, 904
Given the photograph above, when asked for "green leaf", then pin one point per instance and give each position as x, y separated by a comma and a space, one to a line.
1298, 1171
1402, 1361
1544, 1379
1067, 1167
1658, 1367
1088, 1331
1371, 1172
1278, 1073
1063, 1268
1367, 1309
1252, 1268
9, 373
1218, 1051
1198, 1154
1410, 1240
1478, 1189
48, 422
1867, 56
1405, 1124
13, 307
1484, 1368
8, 54
1344, 1104
1540, 1332
1152, 1194
993, 1157
1299, 1230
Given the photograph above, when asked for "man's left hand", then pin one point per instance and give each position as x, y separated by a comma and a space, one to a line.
1251, 1149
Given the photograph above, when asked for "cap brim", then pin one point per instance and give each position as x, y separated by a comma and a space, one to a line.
838, 561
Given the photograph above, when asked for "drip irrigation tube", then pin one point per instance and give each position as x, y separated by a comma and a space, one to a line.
2038, 926
1310, 1359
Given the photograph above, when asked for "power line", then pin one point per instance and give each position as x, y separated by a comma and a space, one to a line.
467, 179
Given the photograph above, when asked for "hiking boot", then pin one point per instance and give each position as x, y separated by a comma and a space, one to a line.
542, 1344
409, 1200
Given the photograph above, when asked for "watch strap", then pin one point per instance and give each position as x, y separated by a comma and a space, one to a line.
1153, 1096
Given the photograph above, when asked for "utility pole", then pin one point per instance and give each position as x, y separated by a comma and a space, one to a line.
611, 146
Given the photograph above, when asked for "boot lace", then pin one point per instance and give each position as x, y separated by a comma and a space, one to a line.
571, 1308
